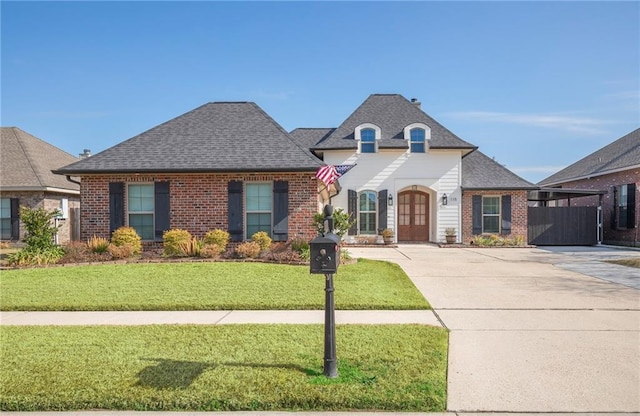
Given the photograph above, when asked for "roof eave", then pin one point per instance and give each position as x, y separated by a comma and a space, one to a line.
52, 189
499, 188
592, 175
147, 171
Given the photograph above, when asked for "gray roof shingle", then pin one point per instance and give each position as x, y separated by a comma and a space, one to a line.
309, 137
481, 172
622, 153
26, 162
216, 137
392, 113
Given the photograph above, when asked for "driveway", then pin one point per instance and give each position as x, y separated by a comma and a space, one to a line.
532, 330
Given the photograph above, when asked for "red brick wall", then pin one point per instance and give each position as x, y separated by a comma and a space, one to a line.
518, 212
199, 201
627, 237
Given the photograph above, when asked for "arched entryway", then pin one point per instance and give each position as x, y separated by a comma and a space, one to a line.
413, 216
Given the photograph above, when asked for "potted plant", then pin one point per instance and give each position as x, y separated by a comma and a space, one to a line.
387, 236
451, 235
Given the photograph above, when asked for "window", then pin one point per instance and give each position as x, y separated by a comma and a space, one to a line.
367, 141
140, 206
624, 208
491, 214
367, 212
259, 203
417, 140
5, 218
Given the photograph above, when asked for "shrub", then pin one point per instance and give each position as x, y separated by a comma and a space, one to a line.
127, 236
120, 252
217, 237
249, 249
263, 239
190, 248
78, 252
299, 245
5, 244
36, 256
210, 251
173, 239
98, 244
39, 228
341, 222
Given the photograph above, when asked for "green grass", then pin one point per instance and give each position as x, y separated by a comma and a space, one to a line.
237, 367
366, 284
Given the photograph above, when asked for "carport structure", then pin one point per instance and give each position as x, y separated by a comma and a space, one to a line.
564, 225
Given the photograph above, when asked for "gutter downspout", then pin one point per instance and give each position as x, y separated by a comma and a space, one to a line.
72, 181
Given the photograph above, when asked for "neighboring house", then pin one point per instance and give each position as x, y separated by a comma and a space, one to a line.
26, 180
224, 165
614, 170
416, 177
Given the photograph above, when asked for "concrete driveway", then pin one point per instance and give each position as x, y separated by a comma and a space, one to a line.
532, 330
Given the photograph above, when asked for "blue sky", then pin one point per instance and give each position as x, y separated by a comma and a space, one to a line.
537, 85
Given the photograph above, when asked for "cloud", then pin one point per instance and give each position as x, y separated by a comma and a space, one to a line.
624, 95
573, 124
537, 169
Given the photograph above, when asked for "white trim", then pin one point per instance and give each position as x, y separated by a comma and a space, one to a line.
593, 175
358, 137
38, 188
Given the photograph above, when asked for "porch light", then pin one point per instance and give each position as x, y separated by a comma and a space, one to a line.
390, 200
444, 199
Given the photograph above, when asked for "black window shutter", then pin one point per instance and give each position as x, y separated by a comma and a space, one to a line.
614, 211
382, 210
15, 218
162, 208
234, 192
352, 208
476, 214
280, 211
631, 205
505, 229
116, 206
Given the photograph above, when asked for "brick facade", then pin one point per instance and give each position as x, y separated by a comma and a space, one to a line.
519, 207
198, 202
627, 237
49, 201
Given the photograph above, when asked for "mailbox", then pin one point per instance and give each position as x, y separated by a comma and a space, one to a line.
325, 254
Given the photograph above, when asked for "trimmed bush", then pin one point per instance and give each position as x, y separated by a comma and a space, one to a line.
120, 252
217, 237
210, 251
249, 249
263, 240
173, 239
127, 236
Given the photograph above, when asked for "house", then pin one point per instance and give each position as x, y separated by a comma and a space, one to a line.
224, 165
613, 172
416, 177
26, 180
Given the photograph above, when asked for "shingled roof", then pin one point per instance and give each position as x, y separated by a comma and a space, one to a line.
481, 172
309, 137
216, 137
26, 163
622, 154
392, 113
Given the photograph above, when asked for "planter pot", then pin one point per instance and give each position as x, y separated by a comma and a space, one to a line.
450, 239
387, 240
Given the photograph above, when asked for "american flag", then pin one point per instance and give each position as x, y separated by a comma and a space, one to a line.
330, 173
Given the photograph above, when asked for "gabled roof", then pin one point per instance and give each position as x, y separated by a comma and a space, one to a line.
26, 163
216, 137
309, 137
392, 113
622, 154
481, 172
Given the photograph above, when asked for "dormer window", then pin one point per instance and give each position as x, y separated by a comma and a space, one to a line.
418, 136
416, 140
367, 136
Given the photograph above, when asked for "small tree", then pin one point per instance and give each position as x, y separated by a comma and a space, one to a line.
39, 226
341, 222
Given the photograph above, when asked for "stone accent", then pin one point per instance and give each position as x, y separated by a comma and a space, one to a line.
198, 202
519, 205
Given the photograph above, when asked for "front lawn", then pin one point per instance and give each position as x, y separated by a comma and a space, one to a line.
238, 367
367, 284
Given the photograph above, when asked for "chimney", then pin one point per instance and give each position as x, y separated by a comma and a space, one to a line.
417, 103
86, 153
